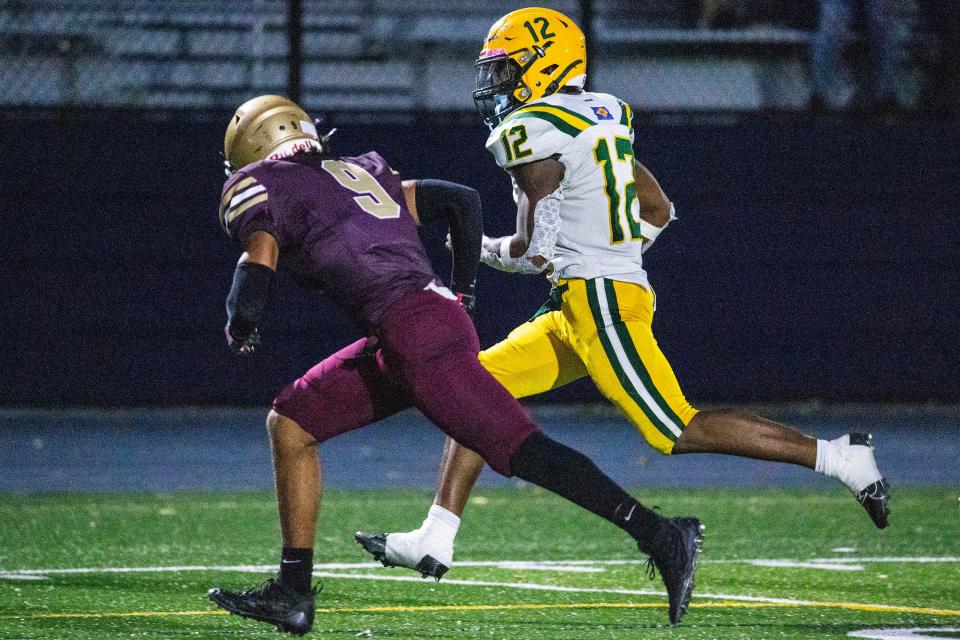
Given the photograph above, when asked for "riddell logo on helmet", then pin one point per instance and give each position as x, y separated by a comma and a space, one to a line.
293, 147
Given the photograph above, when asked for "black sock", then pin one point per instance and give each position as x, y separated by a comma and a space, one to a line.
637, 520
572, 475
296, 565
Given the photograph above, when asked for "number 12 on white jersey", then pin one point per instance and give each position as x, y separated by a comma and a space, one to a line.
619, 186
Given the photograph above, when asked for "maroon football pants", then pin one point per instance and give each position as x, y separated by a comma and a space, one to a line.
425, 356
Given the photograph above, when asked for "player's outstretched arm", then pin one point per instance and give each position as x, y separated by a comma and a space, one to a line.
530, 248
247, 299
656, 210
458, 205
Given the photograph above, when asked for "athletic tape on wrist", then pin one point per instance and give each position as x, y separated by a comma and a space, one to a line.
505, 252
650, 232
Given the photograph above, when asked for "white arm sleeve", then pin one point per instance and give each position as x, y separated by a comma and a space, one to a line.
546, 226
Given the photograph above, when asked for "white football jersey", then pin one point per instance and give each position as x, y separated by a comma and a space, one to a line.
592, 135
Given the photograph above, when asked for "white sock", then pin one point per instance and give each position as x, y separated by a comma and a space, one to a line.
438, 531
823, 452
853, 465
434, 538
441, 523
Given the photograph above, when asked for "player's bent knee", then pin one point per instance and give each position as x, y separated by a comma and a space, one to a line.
660, 442
286, 433
664, 448
707, 430
672, 439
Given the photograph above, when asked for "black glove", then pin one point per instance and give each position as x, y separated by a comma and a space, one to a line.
244, 345
245, 305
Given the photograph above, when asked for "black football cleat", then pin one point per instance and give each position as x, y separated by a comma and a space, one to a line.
876, 500
376, 545
673, 552
271, 602
875, 497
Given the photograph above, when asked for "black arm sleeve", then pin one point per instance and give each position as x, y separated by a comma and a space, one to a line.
460, 207
248, 298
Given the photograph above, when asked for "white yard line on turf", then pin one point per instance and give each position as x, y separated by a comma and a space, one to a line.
394, 578
561, 566
490, 583
242, 568
328, 571
793, 564
592, 566
552, 587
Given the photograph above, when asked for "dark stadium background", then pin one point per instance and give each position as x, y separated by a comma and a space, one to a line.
815, 257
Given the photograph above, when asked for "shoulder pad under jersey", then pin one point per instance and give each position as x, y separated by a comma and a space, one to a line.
626, 116
535, 132
241, 193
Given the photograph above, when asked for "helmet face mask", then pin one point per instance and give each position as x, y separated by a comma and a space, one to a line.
547, 51
498, 79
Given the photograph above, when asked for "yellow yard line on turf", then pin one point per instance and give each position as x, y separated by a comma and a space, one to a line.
852, 606
115, 614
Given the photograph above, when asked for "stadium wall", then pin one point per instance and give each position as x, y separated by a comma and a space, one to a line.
812, 259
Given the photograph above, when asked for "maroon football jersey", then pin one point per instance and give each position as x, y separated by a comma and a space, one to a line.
341, 224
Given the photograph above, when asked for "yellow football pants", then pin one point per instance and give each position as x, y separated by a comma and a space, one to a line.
602, 330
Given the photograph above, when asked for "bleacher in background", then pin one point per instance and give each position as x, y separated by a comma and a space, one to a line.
374, 55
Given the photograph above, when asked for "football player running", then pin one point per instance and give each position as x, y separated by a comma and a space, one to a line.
347, 226
586, 212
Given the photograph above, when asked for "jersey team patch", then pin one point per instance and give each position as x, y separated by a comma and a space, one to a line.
602, 113
240, 197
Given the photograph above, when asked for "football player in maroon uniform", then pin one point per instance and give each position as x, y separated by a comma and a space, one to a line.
347, 226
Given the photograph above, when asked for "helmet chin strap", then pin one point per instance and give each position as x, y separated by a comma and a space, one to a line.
561, 80
576, 82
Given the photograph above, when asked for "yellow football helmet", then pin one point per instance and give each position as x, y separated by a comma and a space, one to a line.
262, 124
528, 54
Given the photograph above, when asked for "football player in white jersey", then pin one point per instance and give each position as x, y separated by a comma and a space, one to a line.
586, 212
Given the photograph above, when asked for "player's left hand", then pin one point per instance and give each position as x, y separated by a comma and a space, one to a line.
245, 345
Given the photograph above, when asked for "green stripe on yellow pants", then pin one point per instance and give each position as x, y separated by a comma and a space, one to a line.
602, 330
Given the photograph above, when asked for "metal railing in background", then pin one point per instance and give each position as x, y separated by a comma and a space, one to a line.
378, 55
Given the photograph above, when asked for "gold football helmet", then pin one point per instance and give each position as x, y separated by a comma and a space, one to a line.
262, 124
528, 54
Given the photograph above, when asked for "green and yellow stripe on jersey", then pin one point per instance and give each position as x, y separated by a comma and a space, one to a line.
246, 193
566, 120
626, 114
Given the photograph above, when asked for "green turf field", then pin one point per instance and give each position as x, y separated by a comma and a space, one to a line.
184, 543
